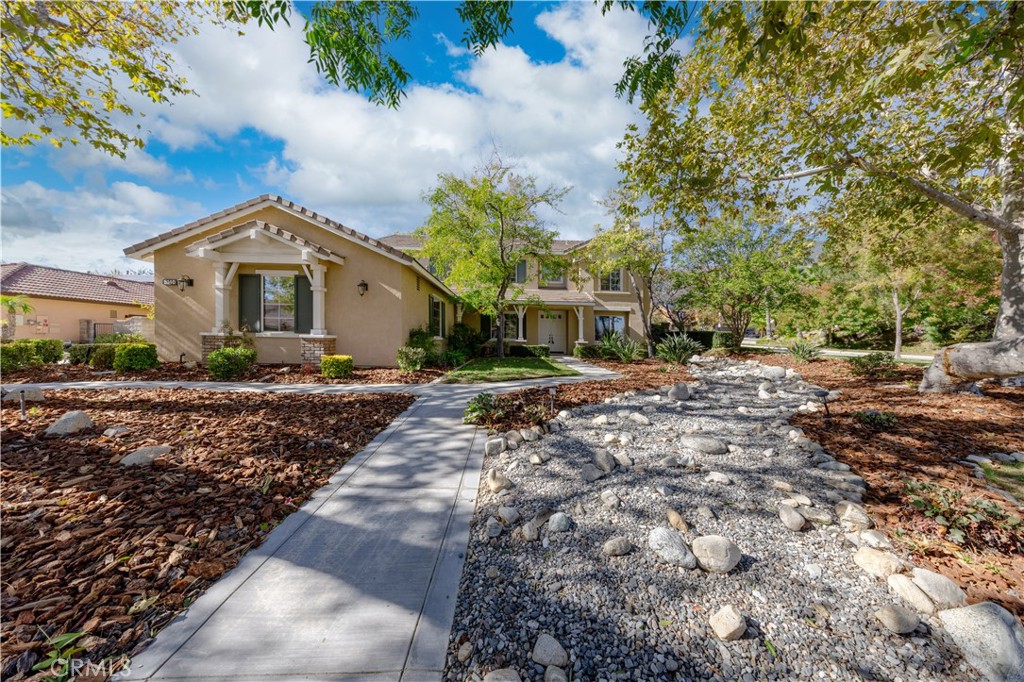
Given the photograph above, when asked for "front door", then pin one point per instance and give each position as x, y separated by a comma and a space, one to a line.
551, 330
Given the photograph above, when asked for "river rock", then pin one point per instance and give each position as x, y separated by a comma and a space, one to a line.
145, 457
617, 546
503, 675
604, 461
33, 394
991, 640
679, 392
559, 522
495, 446
728, 623
852, 516
791, 518
547, 651
497, 481
906, 590
877, 563
715, 553
69, 423
671, 548
898, 619
945, 593
677, 521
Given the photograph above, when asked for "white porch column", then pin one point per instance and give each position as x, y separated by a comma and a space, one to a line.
579, 320
319, 295
521, 312
221, 287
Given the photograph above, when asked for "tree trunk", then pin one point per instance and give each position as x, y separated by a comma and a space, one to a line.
897, 352
956, 368
767, 320
646, 313
499, 350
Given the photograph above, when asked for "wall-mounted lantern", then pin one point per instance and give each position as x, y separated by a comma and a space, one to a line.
362, 287
184, 281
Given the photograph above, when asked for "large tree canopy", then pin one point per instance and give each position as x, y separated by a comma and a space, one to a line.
925, 95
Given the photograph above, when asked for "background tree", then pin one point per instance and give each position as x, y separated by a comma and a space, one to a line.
728, 266
13, 305
479, 229
924, 95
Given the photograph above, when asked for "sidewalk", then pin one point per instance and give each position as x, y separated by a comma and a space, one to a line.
360, 582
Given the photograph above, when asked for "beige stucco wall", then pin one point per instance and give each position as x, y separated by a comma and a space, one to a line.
63, 317
370, 328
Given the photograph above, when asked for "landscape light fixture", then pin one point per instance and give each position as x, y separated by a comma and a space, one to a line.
184, 281
362, 286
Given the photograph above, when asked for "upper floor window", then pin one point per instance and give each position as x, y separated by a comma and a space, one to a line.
611, 282
552, 275
520, 277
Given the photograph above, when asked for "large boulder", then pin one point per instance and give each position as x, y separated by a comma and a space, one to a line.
145, 457
32, 394
707, 445
715, 553
679, 392
991, 640
69, 423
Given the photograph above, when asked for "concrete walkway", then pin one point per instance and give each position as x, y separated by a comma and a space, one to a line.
837, 353
360, 582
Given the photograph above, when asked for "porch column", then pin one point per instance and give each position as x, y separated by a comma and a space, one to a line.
521, 312
221, 287
319, 294
579, 326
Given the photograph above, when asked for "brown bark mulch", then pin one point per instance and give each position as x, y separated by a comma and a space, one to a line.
635, 377
172, 371
933, 432
115, 552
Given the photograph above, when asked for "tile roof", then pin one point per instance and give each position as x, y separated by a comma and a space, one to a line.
559, 296
39, 280
401, 240
214, 239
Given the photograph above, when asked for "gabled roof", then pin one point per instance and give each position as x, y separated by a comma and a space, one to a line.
144, 249
225, 236
406, 241
39, 280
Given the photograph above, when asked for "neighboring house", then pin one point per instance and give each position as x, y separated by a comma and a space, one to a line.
576, 307
303, 284
72, 306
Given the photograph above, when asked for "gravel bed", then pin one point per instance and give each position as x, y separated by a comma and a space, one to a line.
809, 608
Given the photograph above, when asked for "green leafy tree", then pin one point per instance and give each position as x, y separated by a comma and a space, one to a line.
839, 95
13, 305
731, 268
480, 227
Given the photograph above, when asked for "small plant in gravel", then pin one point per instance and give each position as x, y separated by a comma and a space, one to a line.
976, 523
537, 414
59, 659
231, 363
804, 351
483, 409
678, 348
875, 365
877, 420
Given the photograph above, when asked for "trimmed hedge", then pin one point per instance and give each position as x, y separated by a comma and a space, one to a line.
704, 338
49, 350
529, 351
102, 356
586, 351
723, 340
231, 363
18, 355
79, 353
135, 357
336, 366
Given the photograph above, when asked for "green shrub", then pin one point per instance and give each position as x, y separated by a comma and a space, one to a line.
119, 338
420, 337
411, 359
452, 358
586, 351
18, 355
135, 357
804, 351
102, 356
49, 350
529, 351
723, 340
678, 348
464, 339
336, 366
876, 364
704, 338
876, 420
231, 363
482, 409
79, 353
618, 347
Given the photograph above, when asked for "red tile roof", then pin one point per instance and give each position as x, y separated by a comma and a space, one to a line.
38, 280
406, 241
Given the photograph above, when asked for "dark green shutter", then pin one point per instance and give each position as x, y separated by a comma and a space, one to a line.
303, 305
250, 303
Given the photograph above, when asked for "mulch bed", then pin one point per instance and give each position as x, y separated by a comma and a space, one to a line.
172, 371
635, 377
115, 552
934, 431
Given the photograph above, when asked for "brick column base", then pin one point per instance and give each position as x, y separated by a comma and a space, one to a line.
315, 347
212, 342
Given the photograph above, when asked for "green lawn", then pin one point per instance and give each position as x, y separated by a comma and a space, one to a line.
488, 370
1009, 477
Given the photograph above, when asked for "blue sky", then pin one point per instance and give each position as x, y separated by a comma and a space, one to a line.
264, 122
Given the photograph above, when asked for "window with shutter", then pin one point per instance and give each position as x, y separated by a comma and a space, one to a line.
269, 303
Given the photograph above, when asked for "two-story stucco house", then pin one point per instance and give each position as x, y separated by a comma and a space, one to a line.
576, 306
303, 284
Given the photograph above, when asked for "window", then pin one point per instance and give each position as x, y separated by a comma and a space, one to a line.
512, 325
552, 276
611, 282
436, 322
275, 303
615, 324
113, 314
520, 277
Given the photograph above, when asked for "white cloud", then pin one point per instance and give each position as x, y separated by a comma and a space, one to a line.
450, 48
364, 165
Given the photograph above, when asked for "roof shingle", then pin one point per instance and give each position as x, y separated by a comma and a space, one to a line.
39, 280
